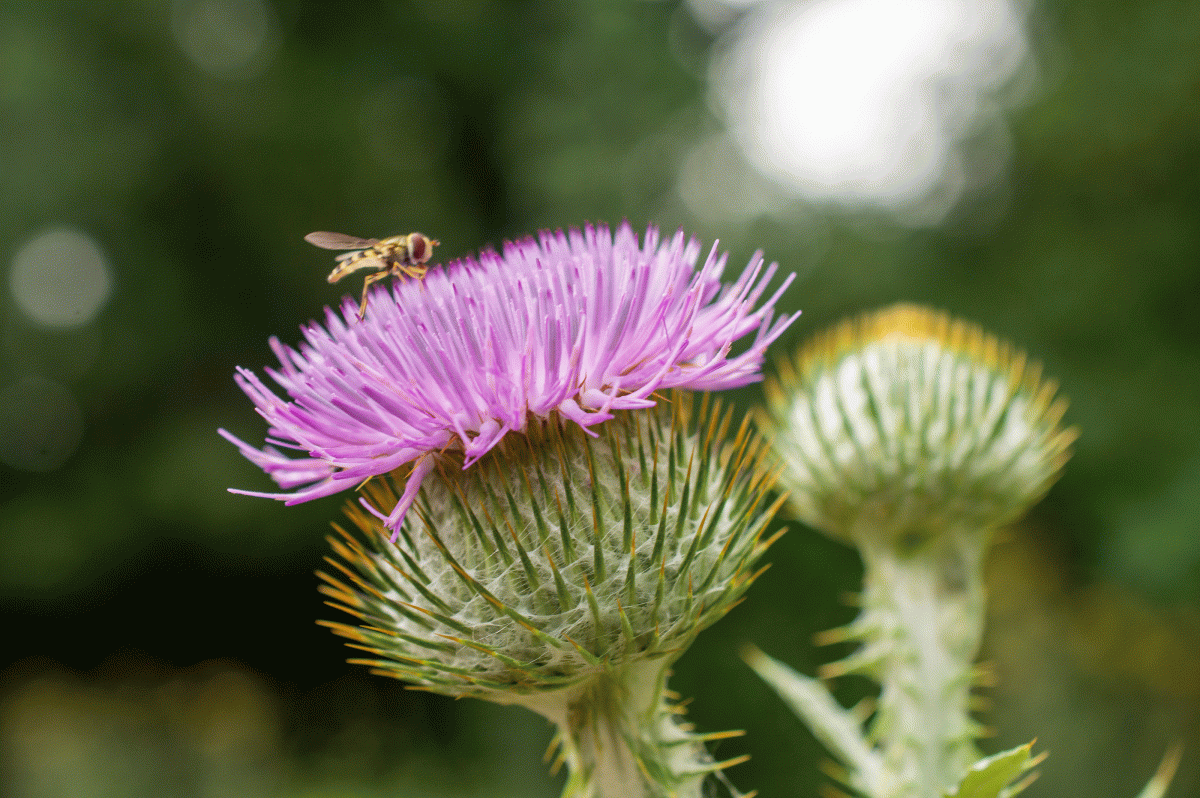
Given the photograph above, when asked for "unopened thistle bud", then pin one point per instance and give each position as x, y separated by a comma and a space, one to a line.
911, 436
905, 422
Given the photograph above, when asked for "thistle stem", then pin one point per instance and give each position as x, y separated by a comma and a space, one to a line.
620, 737
923, 612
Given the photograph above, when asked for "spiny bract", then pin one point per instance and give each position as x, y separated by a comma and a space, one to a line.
559, 554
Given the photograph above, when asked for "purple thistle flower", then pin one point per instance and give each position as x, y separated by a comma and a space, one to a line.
580, 324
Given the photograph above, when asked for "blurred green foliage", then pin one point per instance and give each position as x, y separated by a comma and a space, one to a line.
197, 142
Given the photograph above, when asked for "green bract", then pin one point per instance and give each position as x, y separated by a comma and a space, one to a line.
559, 555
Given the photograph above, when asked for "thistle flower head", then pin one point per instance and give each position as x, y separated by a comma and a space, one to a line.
904, 422
577, 325
559, 556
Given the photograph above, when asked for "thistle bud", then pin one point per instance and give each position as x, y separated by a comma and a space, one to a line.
911, 436
558, 554
566, 573
903, 423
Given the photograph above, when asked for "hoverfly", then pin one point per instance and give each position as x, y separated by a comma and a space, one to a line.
401, 256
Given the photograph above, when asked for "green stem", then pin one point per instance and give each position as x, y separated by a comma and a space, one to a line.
620, 736
923, 616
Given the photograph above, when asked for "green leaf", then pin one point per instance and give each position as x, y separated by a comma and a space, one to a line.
991, 776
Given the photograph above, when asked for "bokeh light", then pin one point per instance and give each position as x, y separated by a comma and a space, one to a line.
60, 278
866, 102
226, 38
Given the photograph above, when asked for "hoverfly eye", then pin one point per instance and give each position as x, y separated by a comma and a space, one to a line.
418, 248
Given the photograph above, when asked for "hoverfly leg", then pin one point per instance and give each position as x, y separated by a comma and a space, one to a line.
371, 278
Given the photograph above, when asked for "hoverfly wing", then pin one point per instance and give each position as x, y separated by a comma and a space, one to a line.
352, 264
327, 240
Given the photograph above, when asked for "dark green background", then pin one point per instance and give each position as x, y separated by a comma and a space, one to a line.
159, 631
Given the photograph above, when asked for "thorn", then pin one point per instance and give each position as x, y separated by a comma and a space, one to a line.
728, 763
984, 674
725, 735
864, 709
829, 637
